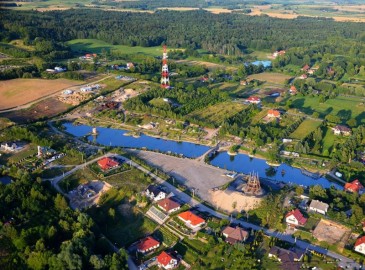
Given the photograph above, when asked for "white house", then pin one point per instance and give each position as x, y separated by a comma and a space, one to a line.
318, 206
166, 261
10, 147
155, 193
360, 245
295, 218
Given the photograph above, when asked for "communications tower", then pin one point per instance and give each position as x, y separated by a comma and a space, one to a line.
165, 83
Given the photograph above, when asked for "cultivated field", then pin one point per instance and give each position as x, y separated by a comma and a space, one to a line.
306, 127
277, 78
331, 232
22, 91
217, 113
96, 46
344, 107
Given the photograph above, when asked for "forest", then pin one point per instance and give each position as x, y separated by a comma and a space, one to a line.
230, 34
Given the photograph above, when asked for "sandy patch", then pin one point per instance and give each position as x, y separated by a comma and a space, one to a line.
232, 201
332, 232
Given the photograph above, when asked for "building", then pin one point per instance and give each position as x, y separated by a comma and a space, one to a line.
293, 90
290, 259
107, 163
169, 205
278, 53
273, 114
235, 235
318, 207
155, 193
360, 245
253, 100
354, 186
10, 147
166, 261
305, 68
341, 130
147, 244
303, 76
191, 220
130, 65
295, 218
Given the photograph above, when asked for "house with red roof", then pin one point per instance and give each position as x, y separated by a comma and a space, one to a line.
273, 114
147, 244
360, 245
305, 68
107, 163
234, 235
354, 186
168, 205
295, 218
253, 100
278, 53
191, 220
166, 261
293, 90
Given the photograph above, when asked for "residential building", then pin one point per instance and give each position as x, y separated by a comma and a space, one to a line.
169, 205
341, 130
285, 255
293, 90
354, 186
273, 114
147, 244
235, 235
305, 68
319, 207
253, 100
166, 261
295, 218
303, 76
107, 163
155, 193
191, 220
10, 147
360, 245
278, 53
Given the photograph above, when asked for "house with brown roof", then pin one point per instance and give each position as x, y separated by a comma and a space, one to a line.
191, 220
341, 130
293, 90
295, 218
305, 68
169, 205
107, 163
285, 255
354, 186
235, 235
273, 114
147, 244
166, 261
360, 245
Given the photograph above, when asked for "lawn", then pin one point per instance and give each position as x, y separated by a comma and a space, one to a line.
96, 46
328, 139
216, 114
305, 128
344, 107
271, 77
74, 180
29, 150
165, 236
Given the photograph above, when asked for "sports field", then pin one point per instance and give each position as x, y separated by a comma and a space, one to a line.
96, 46
305, 128
22, 91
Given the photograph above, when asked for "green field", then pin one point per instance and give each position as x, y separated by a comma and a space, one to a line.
305, 128
217, 113
344, 107
96, 46
328, 139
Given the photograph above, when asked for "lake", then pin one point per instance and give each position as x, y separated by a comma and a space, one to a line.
239, 163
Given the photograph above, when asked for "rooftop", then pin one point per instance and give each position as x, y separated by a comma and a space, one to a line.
192, 218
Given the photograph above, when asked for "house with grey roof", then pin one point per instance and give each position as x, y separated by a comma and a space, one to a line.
318, 207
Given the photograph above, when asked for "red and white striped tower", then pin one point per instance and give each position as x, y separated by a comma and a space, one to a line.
165, 82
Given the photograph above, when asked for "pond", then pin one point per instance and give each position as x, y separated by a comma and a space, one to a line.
285, 173
239, 163
117, 137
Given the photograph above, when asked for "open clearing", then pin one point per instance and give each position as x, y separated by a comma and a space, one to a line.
216, 114
332, 233
271, 77
344, 107
96, 46
22, 91
306, 127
